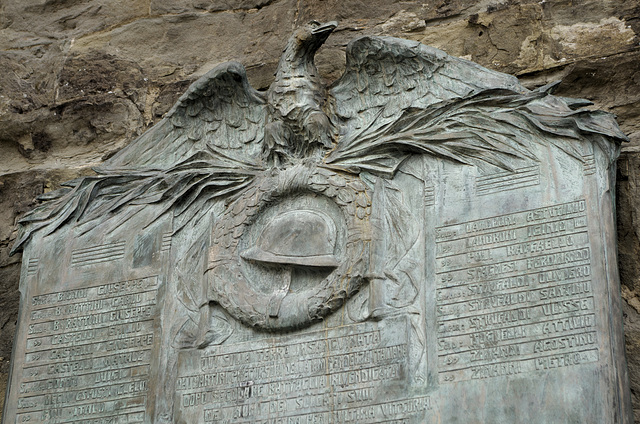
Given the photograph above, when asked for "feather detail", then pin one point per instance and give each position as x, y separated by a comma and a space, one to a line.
448, 107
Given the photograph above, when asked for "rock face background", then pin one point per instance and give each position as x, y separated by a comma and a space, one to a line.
81, 78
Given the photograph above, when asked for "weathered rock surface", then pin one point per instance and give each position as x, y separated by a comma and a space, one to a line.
81, 78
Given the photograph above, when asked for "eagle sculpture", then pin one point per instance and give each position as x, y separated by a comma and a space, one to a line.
395, 98
298, 125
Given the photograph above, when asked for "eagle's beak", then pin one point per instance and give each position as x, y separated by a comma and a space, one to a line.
326, 28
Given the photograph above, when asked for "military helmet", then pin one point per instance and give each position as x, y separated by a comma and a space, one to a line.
300, 237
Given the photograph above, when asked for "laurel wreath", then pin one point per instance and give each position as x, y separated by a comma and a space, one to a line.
229, 286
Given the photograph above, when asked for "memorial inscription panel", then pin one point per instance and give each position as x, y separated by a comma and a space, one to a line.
296, 379
88, 353
514, 294
424, 241
89, 333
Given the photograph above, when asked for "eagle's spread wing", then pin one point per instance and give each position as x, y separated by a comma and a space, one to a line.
206, 147
398, 97
220, 110
384, 75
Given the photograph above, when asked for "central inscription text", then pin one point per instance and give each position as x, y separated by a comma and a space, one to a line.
318, 377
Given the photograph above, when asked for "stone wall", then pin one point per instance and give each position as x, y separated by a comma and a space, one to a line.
81, 78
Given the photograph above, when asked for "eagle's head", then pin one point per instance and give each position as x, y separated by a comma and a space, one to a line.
307, 39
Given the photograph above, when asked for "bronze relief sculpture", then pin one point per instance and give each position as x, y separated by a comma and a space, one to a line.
223, 139
421, 215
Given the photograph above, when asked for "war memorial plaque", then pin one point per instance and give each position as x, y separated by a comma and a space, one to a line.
423, 241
